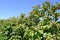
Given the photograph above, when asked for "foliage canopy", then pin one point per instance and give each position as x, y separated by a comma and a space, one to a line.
40, 24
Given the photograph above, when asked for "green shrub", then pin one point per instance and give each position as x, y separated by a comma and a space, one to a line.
40, 24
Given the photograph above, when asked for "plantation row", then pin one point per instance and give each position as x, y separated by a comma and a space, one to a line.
40, 24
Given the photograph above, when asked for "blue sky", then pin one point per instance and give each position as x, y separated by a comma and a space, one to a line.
9, 8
